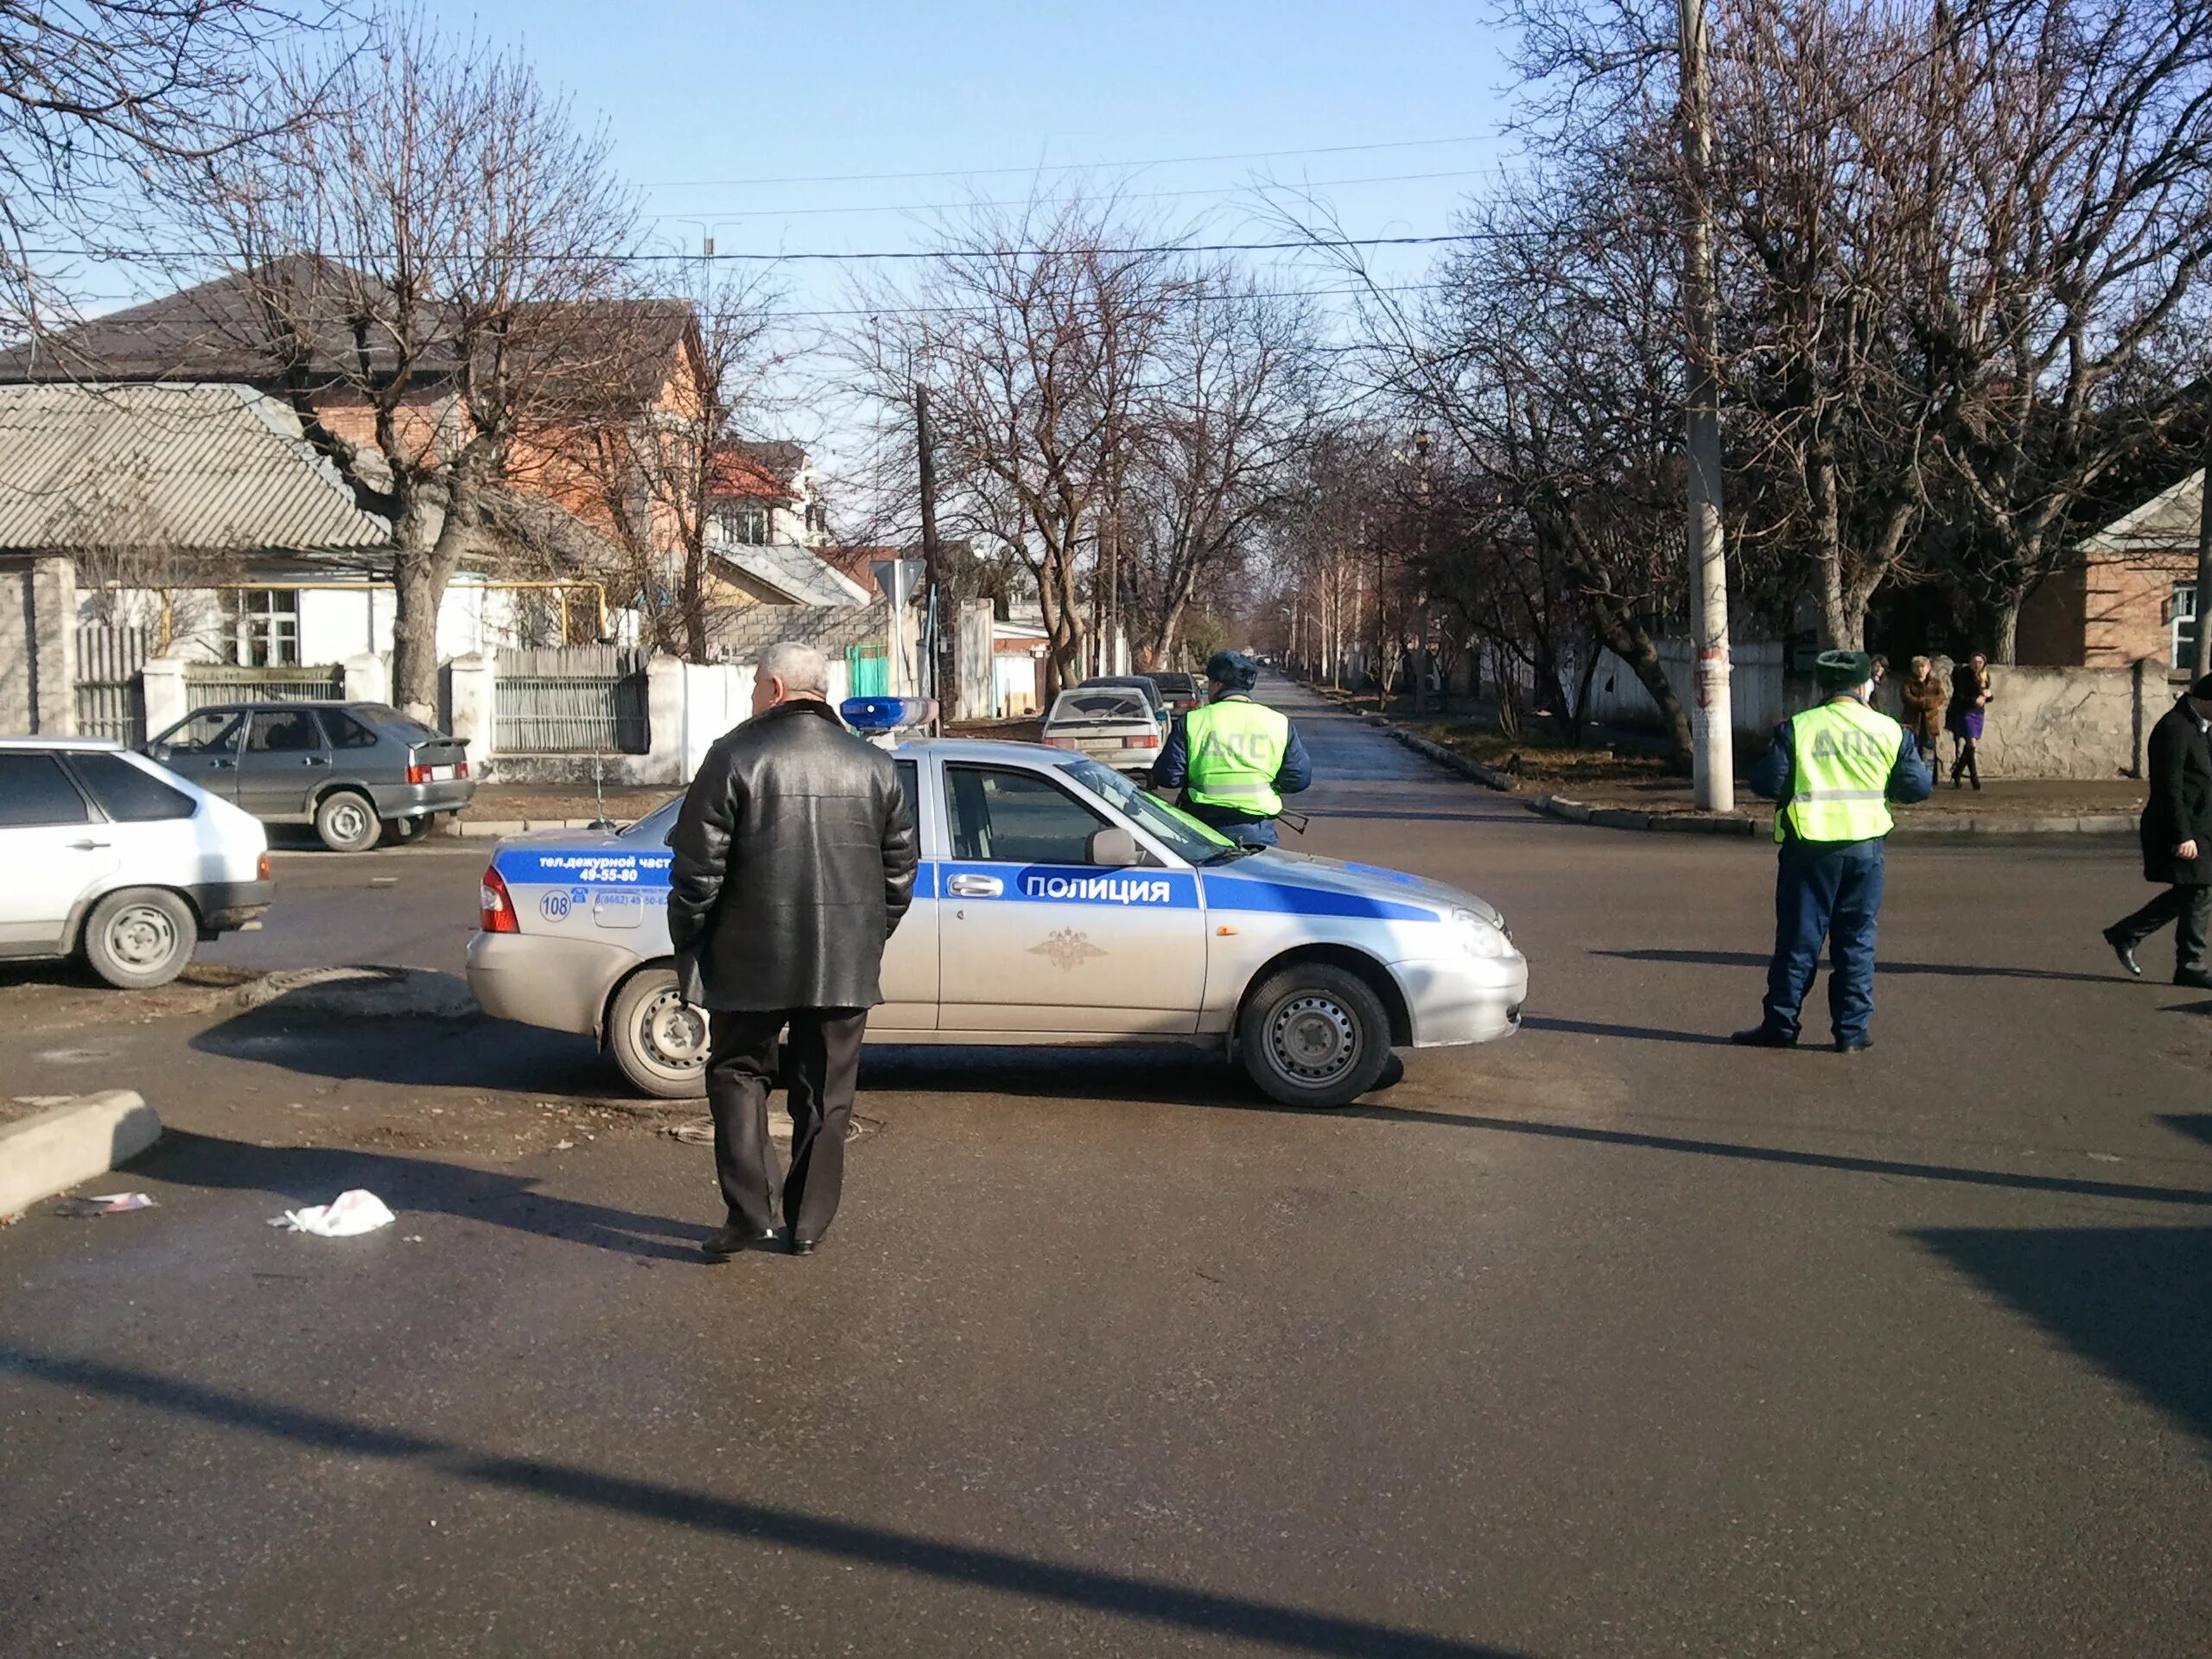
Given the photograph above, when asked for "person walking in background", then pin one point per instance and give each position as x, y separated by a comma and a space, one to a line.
795, 855
1831, 771
1882, 686
1922, 696
1969, 696
2177, 829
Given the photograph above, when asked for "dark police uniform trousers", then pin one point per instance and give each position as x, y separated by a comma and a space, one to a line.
1828, 890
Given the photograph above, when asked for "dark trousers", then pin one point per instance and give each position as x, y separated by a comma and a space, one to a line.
2189, 909
1834, 894
821, 1070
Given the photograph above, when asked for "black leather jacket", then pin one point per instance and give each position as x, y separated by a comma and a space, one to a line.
795, 856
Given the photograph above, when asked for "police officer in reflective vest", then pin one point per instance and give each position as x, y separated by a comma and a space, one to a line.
1232, 761
1832, 772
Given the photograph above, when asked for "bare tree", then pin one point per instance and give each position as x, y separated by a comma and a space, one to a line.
2081, 163
657, 471
1037, 331
94, 92
426, 255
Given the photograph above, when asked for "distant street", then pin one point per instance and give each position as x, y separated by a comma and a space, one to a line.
1609, 1339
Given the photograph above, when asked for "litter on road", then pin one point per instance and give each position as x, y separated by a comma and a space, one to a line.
349, 1213
104, 1203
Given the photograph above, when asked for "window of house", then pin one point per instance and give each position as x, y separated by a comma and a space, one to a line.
745, 522
262, 627
2184, 624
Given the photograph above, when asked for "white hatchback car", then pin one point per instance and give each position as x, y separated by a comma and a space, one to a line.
111, 857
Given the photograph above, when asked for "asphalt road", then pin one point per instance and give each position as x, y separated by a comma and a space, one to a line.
1608, 1339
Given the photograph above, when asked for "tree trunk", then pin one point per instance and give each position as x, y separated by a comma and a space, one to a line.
1629, 642
2005, 618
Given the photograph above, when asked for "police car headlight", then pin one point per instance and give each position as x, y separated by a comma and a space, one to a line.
1481, 937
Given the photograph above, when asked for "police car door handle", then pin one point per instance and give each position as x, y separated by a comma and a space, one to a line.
974, 886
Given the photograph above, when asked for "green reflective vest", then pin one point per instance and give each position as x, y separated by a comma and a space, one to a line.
1840, 756
1236, 749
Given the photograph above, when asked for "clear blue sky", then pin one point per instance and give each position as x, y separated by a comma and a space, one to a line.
695, 92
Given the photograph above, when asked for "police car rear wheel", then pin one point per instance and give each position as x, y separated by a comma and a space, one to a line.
1315, 1035
658, 1040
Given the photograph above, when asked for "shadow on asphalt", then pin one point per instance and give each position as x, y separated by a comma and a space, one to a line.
1842, 1162
489, 1056
313, 1174
1946, 970
2135, 1302
1156, 1601
1643, 1034
2196, 1125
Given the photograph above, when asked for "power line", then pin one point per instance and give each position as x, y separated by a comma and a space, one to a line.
726, 214
1062, 167
177, 255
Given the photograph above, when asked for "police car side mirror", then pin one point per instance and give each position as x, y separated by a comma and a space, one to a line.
1112, 849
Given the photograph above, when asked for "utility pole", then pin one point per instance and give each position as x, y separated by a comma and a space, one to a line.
1712, 759
2203, 665
933, 572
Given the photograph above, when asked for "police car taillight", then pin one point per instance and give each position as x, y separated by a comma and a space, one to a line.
496, 909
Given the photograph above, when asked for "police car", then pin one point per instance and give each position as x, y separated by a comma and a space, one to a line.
1057, 902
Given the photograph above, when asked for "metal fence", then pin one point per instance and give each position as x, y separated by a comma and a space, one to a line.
213, 682
571, 700
110, 697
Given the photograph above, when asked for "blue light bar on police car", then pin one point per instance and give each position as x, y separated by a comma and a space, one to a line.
874, 716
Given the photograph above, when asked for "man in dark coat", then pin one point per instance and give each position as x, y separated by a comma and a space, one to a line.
795, 855
2176, 841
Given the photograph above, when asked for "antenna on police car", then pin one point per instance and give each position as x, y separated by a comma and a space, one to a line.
599, 794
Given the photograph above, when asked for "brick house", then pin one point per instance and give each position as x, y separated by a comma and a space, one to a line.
2130, 594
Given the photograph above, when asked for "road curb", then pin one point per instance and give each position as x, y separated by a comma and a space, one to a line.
54, 1150
497, 828
1909, 826
1489, 777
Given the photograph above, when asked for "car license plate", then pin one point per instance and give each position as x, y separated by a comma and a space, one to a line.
441, 774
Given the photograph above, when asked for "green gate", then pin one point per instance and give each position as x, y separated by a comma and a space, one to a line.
867, 669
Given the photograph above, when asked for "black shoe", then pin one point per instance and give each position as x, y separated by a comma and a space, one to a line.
1762, 1037
802, 1246
2194, 979
1853, 1044
734, 1240
2124, 948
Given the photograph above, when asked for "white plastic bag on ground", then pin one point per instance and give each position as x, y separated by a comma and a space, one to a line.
357, 1211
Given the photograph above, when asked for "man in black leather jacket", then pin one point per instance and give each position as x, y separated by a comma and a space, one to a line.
795, 855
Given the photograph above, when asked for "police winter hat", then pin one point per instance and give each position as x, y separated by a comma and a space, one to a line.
2203, 690
1842, 671
1234, 670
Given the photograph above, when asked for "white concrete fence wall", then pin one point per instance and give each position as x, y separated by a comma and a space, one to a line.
2070, 723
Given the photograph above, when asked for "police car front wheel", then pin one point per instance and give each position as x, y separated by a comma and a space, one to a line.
1314, 1035
657, 1038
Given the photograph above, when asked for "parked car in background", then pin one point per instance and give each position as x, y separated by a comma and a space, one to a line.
110, 858
1181, 692
358, 772
1114, 724
1141, 683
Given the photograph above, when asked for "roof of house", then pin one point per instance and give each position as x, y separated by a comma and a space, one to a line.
857, 564
606, 351
2165, 523
794, 571
756, 471
197, 467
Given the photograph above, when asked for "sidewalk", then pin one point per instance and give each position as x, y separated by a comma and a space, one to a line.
1627, 787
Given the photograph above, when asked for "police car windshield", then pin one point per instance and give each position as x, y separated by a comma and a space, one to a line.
653, 828
1186, 836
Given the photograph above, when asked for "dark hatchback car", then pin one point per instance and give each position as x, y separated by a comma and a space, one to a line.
1181, 692
358, 772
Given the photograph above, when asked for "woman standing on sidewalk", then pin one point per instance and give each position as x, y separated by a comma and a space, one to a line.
1923, 697
1970, 694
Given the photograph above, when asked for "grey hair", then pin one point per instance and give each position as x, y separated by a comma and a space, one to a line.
803, 670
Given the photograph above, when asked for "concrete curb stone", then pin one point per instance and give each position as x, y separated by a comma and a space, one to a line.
1489, 777
2095, 823
57, 1148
